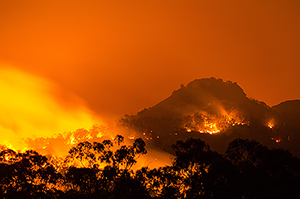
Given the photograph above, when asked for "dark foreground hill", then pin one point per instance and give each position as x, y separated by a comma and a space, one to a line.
216, 112
290, 110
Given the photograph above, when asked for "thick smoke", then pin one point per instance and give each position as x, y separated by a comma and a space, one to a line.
38, 114
30, 108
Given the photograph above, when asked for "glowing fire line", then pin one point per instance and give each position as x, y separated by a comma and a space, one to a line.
212, 124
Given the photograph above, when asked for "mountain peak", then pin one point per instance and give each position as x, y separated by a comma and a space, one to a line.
216, 87
200, 94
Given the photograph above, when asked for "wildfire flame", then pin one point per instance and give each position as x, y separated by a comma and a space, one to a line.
212, 124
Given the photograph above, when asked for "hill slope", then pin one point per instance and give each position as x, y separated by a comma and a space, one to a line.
216, 112
213, 96
290, 110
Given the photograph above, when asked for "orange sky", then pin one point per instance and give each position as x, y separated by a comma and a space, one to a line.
122, 56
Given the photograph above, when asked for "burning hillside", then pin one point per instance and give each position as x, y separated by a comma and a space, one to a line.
211, 124
212, 107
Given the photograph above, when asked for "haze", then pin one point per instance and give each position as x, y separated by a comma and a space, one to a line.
123, 56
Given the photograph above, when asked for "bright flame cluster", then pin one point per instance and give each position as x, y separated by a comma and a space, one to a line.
212, 124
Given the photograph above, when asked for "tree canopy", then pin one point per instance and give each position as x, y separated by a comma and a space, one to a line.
104, 170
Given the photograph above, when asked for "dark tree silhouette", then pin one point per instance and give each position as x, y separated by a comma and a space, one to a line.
205, 173
89, 155
103, 170
28, 175
266, 173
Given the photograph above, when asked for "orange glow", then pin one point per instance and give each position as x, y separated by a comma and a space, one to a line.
122, 57
100, 49
271, 123
212, 124
132, 137
29, 108
277, 140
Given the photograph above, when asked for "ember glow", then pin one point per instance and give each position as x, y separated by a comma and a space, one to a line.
277, 140
271, 123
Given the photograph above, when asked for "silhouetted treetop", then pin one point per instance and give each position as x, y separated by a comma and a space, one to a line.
90, 155
103, 170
